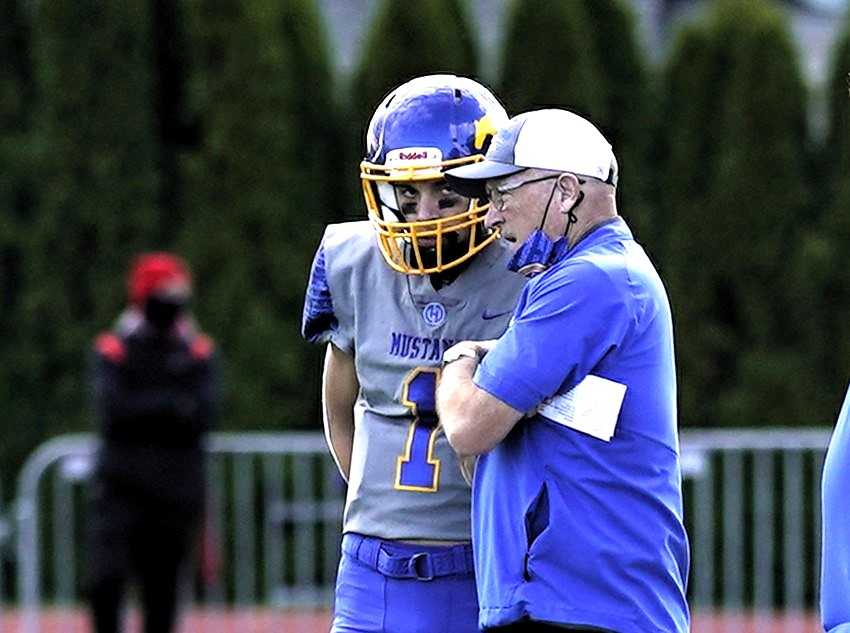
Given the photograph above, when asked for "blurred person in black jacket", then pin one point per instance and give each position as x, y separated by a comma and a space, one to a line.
156, 390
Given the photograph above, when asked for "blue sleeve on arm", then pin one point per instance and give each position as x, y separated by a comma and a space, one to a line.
318, 320
566, 323
835, 568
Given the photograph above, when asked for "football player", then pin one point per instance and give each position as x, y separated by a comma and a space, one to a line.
388, 296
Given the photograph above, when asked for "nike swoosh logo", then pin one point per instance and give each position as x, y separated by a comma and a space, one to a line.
488, 316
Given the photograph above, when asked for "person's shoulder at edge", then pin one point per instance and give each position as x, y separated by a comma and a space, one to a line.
110, 346
345, 249
201, 346
356, 239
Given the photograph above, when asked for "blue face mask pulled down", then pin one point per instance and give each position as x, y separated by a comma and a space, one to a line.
537, 253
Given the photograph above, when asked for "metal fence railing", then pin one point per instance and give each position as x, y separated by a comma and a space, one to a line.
274, 511
752, 508
752, 505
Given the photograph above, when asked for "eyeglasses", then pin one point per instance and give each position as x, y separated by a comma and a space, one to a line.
496, 195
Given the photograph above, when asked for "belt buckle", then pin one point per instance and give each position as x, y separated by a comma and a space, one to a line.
420, 566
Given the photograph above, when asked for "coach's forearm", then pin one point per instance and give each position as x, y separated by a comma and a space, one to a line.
474, 421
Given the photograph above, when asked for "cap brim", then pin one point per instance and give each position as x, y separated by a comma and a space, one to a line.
469, 180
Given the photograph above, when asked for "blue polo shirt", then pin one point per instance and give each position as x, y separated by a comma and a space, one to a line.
568, 528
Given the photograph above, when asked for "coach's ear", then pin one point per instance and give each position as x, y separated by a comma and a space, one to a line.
569, 189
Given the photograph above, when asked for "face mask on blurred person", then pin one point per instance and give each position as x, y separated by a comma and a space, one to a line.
162, 312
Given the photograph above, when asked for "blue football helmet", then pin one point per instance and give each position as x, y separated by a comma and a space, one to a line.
422, 128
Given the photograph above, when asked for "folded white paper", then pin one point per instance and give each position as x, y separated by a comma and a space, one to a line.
592, 407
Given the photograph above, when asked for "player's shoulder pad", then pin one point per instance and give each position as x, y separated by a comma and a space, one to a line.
111, 347
345, 248
318, 316
348, 243
202, 347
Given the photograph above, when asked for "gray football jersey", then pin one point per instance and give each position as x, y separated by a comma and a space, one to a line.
405, 482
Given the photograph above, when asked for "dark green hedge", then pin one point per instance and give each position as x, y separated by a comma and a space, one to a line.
733, 198
549, 59
822, 283
404, 40
559, 54
16, 217
258, 196
95, 180
837, 145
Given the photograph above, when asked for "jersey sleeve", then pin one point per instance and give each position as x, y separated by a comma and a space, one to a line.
322, 321
566, 324
835, 579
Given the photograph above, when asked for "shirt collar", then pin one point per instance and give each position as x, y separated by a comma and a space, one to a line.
611, 229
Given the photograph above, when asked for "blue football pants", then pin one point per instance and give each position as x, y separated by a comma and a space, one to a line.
391, 587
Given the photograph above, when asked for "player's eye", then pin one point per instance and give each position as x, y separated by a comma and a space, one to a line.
407, 192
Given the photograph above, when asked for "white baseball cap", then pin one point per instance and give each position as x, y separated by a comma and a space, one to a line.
545, 139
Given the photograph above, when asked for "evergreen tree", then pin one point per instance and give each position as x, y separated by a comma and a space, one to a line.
837, 149
176, 125
822, 283
16, 211
733, 171
560, 54
15, 194
97, 185
258, 194
549, 59
626, 119
405, 40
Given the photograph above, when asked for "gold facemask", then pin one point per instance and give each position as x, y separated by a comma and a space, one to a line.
399, 240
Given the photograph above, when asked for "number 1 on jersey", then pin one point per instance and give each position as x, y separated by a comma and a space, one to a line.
417, 470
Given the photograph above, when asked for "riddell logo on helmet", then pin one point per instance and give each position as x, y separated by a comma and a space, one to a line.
414, 156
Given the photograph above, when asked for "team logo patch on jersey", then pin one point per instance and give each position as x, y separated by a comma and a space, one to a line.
434, 314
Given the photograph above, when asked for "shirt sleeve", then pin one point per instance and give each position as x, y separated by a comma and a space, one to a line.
571, 319
320, 320
835, 581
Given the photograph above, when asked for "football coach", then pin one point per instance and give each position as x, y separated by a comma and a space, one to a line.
577, 499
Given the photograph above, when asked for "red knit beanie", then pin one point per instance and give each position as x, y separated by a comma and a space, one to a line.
152, 271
